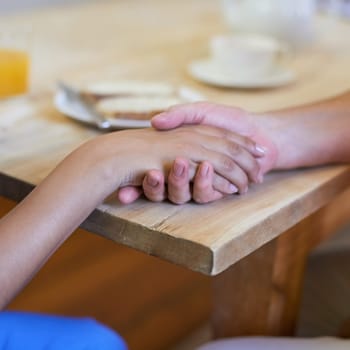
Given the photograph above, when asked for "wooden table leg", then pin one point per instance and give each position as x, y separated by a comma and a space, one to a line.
260, 294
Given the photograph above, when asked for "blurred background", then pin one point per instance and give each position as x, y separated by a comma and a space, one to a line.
341, 7
15, 5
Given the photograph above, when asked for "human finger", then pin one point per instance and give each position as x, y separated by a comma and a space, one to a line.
197, 113
203, 190
226, 167
153, 186
179, 191
243, 141
129, 194
242, 158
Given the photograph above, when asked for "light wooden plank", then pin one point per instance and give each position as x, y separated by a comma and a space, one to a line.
126, 41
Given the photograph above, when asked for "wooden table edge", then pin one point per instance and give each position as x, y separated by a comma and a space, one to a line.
119, 230
195, 256
311, 202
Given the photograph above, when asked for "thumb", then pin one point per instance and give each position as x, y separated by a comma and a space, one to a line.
220, 116
179, 115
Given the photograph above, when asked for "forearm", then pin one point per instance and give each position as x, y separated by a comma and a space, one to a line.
311, 135
40, 224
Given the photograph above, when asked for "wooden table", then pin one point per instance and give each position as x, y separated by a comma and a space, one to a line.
271, 227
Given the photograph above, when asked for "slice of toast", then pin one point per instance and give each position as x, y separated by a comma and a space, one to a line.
98, 90
139, 108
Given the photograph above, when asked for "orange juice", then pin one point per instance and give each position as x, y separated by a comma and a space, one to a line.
14, 72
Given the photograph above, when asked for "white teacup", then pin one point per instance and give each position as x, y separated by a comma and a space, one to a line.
246, 55
288, 20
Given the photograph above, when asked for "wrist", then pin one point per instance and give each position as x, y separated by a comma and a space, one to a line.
264, 135
275, 139
94, 170
115, 161
303, 136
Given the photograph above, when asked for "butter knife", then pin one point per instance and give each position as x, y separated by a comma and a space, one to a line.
87, 107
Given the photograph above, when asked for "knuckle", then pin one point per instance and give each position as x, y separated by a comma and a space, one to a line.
223, 133
234, 148
249, 143
201, 186
228, 164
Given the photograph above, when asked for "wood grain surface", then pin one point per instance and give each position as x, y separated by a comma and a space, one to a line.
156, 40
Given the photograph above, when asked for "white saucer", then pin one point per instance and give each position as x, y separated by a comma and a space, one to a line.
72, 111
207, 71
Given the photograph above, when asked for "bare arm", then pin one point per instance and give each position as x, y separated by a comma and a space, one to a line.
312, 134
39, 225
34, 229
303, 136
294, 137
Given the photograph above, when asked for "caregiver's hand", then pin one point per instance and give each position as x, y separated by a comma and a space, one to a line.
294, 137
179, 190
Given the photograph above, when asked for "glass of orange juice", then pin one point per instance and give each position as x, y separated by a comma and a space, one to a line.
14, 63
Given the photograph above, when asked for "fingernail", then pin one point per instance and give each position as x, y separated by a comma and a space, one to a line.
152, 181
260, 149
233, 189
204, 170
178, 169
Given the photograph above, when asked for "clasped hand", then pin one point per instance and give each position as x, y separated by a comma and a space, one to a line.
217, 161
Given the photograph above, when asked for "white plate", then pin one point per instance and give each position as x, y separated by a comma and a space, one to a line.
207, 71
62, 104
